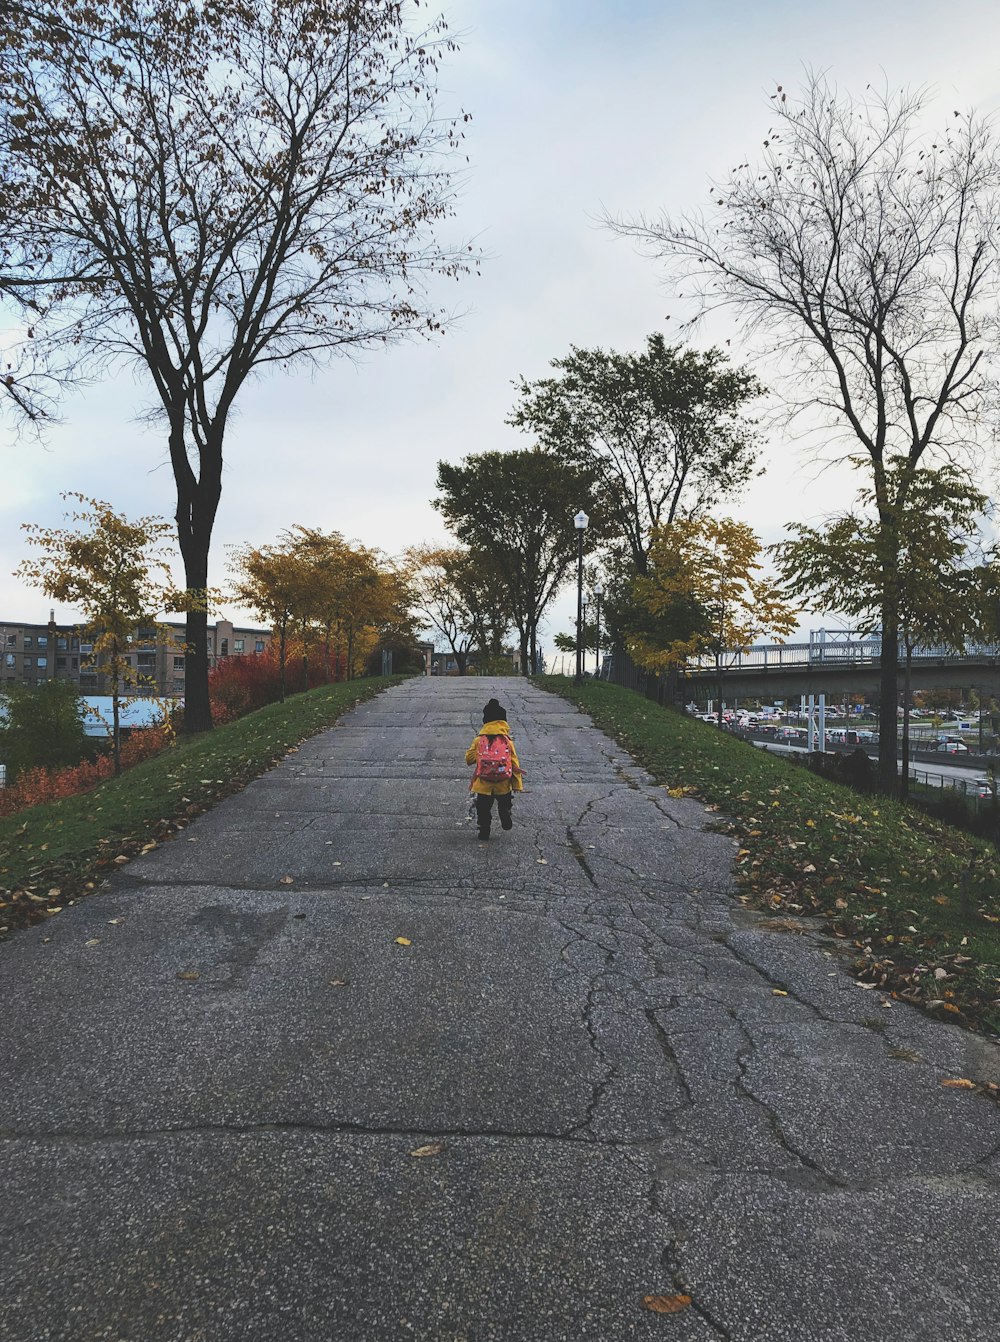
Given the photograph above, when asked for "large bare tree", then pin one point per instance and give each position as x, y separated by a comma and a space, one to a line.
210, 190
862, 249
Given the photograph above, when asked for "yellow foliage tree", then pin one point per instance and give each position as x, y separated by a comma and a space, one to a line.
709, 567
117, 572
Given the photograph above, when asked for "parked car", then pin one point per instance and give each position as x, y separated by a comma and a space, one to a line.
952, 747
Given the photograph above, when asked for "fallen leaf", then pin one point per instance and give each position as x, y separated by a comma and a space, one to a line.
778, 992
120, 859
959, 1083
94, 941
941, 899
431, 1149
113, 922
55, 892
338, 983
403, 941
287, 880
666, 1304
543, 861
189, 975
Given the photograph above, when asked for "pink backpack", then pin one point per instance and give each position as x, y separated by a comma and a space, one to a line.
494, 760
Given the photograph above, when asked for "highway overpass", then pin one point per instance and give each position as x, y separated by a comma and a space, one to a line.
837, 665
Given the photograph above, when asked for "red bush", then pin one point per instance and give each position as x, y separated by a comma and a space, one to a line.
239, 685
35, 786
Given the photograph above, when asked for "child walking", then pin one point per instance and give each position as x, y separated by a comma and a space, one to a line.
498, 772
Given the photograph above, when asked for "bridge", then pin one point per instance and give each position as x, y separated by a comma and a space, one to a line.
836, 663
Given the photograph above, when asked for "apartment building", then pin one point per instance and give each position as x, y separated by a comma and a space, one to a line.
32, 653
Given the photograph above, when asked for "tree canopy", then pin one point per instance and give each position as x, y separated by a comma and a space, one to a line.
516, 509
208, 191
665, 431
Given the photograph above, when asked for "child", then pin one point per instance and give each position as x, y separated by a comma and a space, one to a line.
498, 773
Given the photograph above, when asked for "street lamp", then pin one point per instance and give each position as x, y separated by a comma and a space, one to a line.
598, 593
580, 521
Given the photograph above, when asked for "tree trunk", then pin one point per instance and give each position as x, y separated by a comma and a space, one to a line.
904, 781
523, 647
887, 720
282, 643
534, 650
116, 721
197, 503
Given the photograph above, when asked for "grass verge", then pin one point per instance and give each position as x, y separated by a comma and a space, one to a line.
916, 901
52, 855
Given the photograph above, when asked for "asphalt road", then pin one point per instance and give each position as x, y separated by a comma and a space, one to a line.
216, 1076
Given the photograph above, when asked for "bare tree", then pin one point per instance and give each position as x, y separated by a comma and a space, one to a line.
212, 190
865, 251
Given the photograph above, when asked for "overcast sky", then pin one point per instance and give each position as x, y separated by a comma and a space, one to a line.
578, 106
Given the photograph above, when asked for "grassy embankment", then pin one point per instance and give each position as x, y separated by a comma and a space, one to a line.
51, 855
916, 901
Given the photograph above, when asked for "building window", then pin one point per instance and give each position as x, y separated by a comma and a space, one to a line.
27, 640
178, 663
11, 640
43, 640
60, 663
224, 647
237, 645
9, 659
74, 662
41, 662
259, 645
62, 643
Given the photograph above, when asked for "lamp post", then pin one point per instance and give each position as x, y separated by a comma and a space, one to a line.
580, 521
598, 593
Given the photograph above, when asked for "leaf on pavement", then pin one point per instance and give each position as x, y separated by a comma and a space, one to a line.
189, 975
287, 880
666, 1304
959, 1083
403, 941
431, 1149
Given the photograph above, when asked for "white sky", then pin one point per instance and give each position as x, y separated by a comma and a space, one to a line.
578, 106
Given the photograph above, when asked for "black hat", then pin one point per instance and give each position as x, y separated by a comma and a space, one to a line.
494, 711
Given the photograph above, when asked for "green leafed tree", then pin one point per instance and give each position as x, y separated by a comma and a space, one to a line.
117, 572
209, 192
665, 431
516, 509
859, 249
41, 727
944, 589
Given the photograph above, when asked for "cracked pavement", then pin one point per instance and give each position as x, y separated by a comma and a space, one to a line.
214, 1077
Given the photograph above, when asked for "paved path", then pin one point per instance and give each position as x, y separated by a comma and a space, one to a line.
214, 1080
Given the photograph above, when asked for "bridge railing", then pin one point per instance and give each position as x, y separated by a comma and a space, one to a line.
862, 652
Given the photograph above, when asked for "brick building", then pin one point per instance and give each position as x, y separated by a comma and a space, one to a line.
31, 653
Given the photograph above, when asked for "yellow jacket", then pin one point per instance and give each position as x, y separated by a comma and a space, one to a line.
496, 728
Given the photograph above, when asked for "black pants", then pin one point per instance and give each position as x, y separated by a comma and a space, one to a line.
484, 806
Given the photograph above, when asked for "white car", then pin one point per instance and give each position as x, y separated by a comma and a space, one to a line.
952, 747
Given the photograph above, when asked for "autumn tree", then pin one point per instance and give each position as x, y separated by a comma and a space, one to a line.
710, 570
273, 581
210, 191
665, 431
862, 249
117, 572
439, 597
516, 509
946, 590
